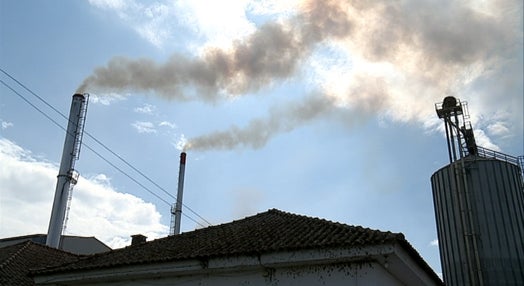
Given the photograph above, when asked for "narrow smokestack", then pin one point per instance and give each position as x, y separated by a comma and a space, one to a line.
67, 176
177, 212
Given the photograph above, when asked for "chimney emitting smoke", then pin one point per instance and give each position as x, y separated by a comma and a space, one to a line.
176, 211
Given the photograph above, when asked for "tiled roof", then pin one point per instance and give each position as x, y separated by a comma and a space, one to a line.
75, 244
17, 260
269, 231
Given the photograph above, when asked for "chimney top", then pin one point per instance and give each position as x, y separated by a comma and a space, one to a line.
138, 239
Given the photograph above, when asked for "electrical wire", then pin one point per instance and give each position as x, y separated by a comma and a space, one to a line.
87, 146
104, 146
101, 144
97, 153
34, 106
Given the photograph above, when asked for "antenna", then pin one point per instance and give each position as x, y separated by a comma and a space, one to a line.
67, 176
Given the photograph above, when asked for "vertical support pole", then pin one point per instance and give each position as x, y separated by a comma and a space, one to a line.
448, 137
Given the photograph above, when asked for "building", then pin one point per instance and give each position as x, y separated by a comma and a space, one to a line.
17, 260
72, 244
270, 248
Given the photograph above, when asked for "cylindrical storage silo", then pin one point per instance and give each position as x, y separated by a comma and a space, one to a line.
479, 209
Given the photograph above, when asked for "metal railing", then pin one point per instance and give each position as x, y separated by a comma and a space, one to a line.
492, 154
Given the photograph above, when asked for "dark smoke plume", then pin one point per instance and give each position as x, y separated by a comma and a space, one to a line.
259, 131
273, 52
433, 47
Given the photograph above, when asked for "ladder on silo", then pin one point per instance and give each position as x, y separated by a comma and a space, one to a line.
466, 147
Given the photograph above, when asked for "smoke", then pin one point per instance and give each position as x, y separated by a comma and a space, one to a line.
272, 52
259, 131
403, 56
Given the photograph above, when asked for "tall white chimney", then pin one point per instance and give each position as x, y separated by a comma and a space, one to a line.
67, 176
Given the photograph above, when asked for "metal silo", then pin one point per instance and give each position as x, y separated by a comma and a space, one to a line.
479, 208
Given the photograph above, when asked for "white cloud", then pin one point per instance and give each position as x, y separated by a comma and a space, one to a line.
97, 209
434, 242
144, 127
152, 21
151, 127
146, 109
100, 179
219, 22
6, 124
271, 7
498, 129
484, 140
106, 98
108, 4
167, 124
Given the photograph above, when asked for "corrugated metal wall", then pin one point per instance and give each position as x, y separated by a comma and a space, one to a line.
479, 208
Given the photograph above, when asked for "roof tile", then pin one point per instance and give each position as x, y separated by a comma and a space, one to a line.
270, 231
16, 261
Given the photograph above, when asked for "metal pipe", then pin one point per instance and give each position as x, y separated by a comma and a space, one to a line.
446, 125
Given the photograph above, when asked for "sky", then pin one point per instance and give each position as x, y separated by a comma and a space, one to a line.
320, 108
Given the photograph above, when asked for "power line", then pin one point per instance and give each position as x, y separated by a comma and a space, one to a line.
104, 146
145, 176
87, 146
34, 106
136, 181
33, 93
101, 144
95, 152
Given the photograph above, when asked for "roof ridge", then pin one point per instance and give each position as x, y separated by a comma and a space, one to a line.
22, 236
399, 235
14, 255
32, 243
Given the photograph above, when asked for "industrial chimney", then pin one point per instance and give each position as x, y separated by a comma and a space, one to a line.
176, 210
137, 239
479, 207
67, 176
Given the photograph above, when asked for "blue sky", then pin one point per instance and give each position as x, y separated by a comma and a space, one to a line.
331, 117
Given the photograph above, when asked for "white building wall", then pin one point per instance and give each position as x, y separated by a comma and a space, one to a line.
365, 266
355, 274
